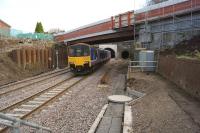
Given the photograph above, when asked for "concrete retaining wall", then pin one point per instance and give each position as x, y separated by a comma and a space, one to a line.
184, 73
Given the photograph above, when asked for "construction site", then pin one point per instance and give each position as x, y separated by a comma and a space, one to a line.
134, 72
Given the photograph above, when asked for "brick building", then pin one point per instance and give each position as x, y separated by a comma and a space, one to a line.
4, 28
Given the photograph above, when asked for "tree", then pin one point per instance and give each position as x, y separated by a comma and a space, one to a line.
39, 28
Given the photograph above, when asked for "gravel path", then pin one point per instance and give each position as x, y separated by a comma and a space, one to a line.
157, 112
76, 111
16, 96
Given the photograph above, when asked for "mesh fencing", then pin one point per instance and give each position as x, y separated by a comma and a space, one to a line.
13, 33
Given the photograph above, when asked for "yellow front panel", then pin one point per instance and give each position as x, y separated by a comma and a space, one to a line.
79, 61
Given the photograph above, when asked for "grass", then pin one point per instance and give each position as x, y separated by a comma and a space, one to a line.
190, 56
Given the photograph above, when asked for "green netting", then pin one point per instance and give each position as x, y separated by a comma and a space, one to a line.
4, 32
37, 36
18, 34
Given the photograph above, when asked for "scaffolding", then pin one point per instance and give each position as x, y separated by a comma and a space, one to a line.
168, 32
171, 31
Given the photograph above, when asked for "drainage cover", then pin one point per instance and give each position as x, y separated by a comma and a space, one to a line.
119, 98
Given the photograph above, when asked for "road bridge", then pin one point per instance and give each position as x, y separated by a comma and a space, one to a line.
157, 26
121, 27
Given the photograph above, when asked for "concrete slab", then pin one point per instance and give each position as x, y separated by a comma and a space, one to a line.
29, 105
15, 115
98, 119
22, 110
36, 102
114, 110
46, 96
127, 126
104, 125
119, 98
54, 91
119, 87
41, 99
116, 125
49, 93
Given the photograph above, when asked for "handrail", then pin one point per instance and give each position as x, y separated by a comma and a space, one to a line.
16, 122
136, 64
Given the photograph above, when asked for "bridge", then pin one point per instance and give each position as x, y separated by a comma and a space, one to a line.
121, 27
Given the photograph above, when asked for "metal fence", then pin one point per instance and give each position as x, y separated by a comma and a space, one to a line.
144, 66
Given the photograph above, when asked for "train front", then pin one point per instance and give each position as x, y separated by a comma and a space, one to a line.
79, 58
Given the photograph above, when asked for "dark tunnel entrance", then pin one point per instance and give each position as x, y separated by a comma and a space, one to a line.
112, 52
125, 54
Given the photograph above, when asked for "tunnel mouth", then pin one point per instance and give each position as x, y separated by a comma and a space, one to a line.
112, 52
125, 54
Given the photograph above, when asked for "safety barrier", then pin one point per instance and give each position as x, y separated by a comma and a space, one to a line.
15, 124
142, 66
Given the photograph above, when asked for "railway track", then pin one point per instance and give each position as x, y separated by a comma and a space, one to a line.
25, 83
36, 102
32, 78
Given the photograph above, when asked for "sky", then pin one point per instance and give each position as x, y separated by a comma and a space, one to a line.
63, 14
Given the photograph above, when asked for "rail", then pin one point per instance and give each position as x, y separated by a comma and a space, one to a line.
51, 94
15, 124
142, 65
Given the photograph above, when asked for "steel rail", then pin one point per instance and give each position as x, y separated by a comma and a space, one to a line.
32, 78
21, 87
43, 104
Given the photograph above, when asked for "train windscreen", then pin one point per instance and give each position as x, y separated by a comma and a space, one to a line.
79, 50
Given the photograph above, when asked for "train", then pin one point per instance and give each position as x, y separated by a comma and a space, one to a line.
84, 58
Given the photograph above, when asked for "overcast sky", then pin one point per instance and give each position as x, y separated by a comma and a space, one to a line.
63, 14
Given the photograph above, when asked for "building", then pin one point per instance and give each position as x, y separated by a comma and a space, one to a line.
4, 28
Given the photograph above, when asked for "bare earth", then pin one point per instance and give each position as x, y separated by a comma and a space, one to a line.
162, 109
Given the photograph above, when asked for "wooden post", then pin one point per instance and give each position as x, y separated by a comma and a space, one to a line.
46, 57
18, 57
49, 58
28, 56
42, 56
23, 57
38, 56
33, 56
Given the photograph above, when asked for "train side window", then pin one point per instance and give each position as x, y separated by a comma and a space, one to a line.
95, 54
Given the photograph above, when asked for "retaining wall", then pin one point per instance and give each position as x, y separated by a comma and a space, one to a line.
30, 57
183, 72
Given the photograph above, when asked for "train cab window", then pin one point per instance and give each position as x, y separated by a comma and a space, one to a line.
79, 50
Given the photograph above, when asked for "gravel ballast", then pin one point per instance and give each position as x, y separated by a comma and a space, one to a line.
21, 94
76, 111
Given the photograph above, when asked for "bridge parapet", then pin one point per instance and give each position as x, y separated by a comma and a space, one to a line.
123, 20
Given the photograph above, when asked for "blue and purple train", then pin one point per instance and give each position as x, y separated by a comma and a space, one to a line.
84, 58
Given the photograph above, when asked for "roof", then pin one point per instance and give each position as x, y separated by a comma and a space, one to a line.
5, 23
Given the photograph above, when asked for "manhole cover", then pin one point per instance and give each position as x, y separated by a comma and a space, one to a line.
119, 98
